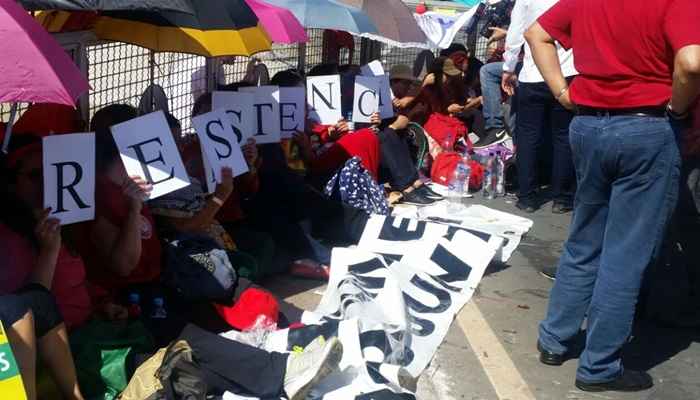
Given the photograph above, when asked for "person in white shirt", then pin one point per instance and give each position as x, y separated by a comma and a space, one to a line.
539, 113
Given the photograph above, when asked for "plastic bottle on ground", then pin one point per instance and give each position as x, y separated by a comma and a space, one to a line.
500, 175
458, 186
159, 308
487, 188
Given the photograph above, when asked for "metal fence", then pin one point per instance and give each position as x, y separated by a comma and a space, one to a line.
120, 73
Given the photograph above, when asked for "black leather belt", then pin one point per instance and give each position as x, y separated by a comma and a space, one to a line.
655, 112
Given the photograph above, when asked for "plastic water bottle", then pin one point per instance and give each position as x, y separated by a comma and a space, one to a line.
458, 186
159, 308
487, 187
447, 142
348, 119
500, 175
134, 307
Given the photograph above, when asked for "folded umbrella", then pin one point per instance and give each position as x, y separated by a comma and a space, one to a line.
328, 14
394, 20
33, 66
107, 5
279, 23
216, 28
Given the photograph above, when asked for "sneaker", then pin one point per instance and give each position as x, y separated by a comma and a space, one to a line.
559, 207
416, 198
493, 136
310, 269
426, 191
307, 368
523, 206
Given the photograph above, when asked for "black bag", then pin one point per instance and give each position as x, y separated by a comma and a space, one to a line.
180, 375
199, 270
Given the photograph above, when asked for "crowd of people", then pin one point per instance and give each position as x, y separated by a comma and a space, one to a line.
276, 218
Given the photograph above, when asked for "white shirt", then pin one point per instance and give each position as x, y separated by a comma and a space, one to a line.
525, 13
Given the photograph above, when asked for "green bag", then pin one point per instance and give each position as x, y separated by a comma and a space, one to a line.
102, 350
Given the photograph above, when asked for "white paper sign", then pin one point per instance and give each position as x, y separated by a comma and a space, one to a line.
292, 111
69, 176
323, 98
239, 108
266, 113
209, 175
147, 149
219, 141
386, 108
366, 100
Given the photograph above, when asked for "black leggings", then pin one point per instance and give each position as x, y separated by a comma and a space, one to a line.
396, 165
34, 298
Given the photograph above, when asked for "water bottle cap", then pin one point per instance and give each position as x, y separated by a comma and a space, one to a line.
158, 301
134, 298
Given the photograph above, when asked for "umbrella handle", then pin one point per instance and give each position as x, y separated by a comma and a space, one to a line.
8, 129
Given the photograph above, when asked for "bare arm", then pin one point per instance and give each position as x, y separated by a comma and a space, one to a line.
205, 217
686, 78
544, 51
48, 234
120, 247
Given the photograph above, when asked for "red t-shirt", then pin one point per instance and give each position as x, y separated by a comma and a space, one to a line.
112, 205
623, 49
69, 285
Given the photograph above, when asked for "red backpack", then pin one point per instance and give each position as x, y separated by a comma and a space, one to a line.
444, 166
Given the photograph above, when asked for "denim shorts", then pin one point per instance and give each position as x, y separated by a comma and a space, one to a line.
36, 298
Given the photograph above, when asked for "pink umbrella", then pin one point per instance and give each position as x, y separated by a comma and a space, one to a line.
279, 23
33, 66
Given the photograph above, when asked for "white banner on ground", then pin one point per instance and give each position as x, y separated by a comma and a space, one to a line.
391, 316
147, 149
266, 112
239, 108
69, 176
366, 101
292, 111
323, 99
219, 141
441, 29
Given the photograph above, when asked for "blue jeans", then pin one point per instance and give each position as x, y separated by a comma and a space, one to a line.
628, 171
490, 75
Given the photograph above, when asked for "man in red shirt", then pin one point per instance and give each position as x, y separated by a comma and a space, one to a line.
639, 65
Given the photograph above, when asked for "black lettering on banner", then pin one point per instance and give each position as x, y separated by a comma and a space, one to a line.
379, 340
219, 139
452, 230
303, 336
456, 269
69, 187
315, 91
401, 234
283, 116
426, 327
361, 99
236, 131
144, 163
366, 267
258, 109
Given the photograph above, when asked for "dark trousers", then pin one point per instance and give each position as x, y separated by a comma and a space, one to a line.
35, 298
235, 367
396, 164
540, 115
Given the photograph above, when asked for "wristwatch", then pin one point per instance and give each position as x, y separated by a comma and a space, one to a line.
675, 115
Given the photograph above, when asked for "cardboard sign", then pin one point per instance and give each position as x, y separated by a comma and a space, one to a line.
219, 141
323, 99
366, 100
386, 96
238, 106
147, 149
266, 112
69, 176
11, 385
292, 111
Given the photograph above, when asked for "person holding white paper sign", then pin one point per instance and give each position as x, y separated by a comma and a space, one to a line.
121, 246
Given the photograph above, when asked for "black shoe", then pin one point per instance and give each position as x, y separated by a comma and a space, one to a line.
528, 208
561, 208
426, 191
629, 381
493, 136
416, 198
549, 358
549, 273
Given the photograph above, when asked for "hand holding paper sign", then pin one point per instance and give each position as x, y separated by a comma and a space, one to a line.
225, 188
366, 100
137, 190
48, 233
250, 152
148, 150
219, 142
